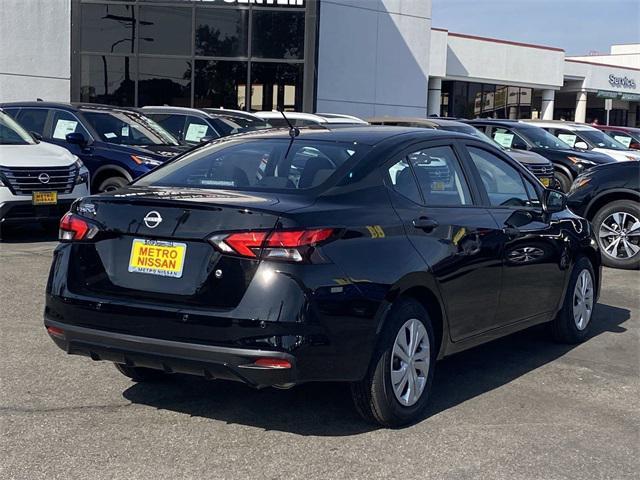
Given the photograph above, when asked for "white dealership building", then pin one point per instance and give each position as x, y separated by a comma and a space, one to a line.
362, 57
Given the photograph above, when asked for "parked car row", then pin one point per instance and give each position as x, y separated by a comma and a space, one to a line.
116, 145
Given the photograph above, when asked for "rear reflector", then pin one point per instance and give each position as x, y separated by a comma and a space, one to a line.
280, 245
272, 363
56, 332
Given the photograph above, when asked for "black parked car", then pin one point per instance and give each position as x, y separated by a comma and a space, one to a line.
537, 164
115, 144
194, 126
609, 196
334, 255
567, 162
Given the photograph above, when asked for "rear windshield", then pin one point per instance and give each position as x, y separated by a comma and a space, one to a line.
256, 164
128, 128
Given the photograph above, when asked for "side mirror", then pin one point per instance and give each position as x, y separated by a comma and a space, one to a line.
36, 135
76, 138
554, 201
581, 145
206, 139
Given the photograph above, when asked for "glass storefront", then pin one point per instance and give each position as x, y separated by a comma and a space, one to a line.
484, 100
191, 53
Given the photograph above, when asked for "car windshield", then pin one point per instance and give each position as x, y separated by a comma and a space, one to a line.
246, 123
601, 140
541, 138
256, 164
128, 128
13, 134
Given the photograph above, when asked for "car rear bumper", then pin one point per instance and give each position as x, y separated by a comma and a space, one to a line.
213, 362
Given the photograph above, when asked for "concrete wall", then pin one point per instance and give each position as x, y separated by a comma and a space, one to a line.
373, 57
478, 59
35, 36
438, 53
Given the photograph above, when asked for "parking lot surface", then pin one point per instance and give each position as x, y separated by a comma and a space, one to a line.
518, 408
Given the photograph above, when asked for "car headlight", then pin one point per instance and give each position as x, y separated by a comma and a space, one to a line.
582, 162
83, 172
579, 183
141, 160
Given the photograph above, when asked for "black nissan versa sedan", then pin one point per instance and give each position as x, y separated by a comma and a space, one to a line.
284, 257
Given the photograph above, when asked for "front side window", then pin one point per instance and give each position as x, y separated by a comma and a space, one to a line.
541, 138
65, 123
567, 136
508, 138
196, 129
623, 138
601, 140
440, 177
128, 128
11, 133
256, 164
503, 183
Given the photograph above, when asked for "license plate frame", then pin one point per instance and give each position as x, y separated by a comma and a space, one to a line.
41, 197
154, 261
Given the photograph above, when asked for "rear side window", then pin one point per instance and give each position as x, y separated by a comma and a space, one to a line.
403, 181
33, 119
174, 124
503, 183
261, 164
440, 177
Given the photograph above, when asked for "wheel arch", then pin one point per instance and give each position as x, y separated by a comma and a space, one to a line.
107, 171
423, 289
609, 196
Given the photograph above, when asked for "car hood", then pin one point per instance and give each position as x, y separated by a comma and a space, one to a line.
157, 152
40, 154
525, 156
620, 155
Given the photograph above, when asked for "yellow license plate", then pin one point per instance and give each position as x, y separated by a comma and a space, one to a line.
157, 258
44, 198
545, 181
438, 186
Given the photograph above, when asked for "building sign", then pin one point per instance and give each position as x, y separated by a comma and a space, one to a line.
630, 97
621, 82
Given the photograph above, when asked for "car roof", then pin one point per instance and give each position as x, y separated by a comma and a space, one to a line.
342, 118
68, 106
229, 112
292, 116
169, 109
618, 127
559, 124
501, 122
366, 135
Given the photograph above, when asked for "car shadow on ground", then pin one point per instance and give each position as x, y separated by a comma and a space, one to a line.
326, 409
29, 233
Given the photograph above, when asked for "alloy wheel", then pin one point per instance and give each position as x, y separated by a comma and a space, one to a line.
583, 299
410, 362
619, 235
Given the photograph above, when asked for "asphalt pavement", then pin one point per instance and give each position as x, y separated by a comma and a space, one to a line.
518, 408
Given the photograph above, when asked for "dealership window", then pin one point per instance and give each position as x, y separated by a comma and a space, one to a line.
485, 100
189, 53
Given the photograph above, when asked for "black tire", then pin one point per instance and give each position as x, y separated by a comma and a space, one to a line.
564, 328
140, 374
619, 206
374, 396
563, 181
112, 183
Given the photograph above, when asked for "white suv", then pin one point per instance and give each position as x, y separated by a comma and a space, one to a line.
585, 137
38, 180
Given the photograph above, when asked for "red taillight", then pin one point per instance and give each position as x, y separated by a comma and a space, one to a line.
56, 332
272, 363
73, 227
278, 245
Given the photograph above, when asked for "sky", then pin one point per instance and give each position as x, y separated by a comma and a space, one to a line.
578, 26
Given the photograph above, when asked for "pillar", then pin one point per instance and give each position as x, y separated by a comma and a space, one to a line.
581, 107
548, 104
434, 96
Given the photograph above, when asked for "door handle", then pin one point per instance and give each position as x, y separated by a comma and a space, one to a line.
424, 223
